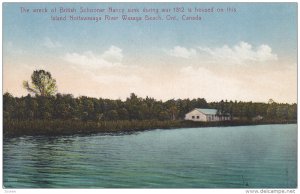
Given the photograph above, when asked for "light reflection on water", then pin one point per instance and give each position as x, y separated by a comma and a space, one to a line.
263, 156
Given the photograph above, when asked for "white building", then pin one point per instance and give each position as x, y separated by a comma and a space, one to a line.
201, 114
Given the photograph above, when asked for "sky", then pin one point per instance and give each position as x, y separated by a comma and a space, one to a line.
248, 55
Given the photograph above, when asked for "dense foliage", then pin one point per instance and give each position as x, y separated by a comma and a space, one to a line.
66, 107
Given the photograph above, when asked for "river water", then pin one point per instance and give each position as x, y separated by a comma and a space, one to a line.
262, 156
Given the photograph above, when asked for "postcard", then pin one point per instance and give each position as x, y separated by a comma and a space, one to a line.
150, 95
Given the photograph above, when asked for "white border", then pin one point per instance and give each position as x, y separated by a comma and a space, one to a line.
133, 191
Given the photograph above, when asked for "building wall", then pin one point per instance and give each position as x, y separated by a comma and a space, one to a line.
195, 116
198, 116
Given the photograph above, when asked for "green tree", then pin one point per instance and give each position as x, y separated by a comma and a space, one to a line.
292, 111
271, 110
31, 107
45, 107
123, 114
61, 109
9, 104
173, 112
163, 115
42, 83
112, 115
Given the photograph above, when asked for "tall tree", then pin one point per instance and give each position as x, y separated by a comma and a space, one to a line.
9, 105
42, 83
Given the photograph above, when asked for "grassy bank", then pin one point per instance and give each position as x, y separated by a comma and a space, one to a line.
14, 128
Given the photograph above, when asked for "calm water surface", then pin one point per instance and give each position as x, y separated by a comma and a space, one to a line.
263, 156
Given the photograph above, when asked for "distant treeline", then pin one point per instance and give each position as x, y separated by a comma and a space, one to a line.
67, 107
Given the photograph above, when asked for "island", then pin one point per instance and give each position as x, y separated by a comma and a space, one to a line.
47, 112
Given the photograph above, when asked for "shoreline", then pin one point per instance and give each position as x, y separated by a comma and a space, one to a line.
18, 128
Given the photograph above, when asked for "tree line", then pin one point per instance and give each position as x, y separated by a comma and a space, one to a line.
67, 107
45, 104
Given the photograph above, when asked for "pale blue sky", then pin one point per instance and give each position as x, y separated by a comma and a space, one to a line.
268, 23
142, 43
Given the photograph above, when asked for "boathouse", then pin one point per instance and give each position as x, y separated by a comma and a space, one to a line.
206, 115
